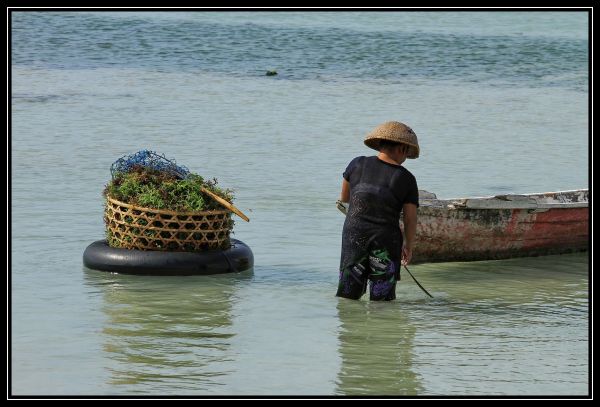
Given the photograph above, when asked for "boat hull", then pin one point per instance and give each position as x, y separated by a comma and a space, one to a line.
465, 234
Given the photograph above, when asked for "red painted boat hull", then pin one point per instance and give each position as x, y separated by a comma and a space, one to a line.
466, 234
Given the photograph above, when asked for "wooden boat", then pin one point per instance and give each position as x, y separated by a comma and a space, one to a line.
501, 226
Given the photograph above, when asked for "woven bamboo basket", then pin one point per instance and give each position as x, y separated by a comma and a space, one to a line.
133, 227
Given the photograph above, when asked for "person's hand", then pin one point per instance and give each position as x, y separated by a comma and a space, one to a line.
341, 206
406, 255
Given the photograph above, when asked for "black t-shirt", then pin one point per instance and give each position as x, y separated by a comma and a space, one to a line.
378, 191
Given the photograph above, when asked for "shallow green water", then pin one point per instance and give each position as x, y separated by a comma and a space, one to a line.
90, 88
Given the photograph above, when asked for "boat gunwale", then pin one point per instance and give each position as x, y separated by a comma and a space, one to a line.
543, 201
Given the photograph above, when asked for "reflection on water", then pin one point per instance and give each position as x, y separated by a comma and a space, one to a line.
376, 347
509, 327
167, 334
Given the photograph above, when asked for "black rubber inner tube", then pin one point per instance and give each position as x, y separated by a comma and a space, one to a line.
100, 256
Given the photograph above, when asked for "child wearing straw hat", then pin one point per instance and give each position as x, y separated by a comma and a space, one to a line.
377, 189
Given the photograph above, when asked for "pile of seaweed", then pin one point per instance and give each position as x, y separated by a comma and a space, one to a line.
156, 189
147, 179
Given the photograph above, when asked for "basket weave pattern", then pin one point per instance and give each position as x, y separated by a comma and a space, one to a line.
134, 227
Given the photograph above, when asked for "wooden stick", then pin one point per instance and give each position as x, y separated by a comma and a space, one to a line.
226, 204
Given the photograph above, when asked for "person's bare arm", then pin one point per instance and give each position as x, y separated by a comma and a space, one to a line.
410, 231
345, 195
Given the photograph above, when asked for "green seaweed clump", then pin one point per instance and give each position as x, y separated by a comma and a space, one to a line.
149, 188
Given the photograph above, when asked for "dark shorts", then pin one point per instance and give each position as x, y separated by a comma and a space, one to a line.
376, 267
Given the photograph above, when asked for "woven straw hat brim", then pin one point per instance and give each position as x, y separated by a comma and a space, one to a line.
396, 132
373, 143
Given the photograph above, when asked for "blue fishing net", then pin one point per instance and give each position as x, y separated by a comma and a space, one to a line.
148, 159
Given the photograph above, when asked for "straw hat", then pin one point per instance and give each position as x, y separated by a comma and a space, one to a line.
394, 131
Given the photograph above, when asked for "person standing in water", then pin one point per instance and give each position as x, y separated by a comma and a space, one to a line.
377, 189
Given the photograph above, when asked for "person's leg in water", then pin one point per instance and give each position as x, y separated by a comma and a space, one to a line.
353, 279
383, 275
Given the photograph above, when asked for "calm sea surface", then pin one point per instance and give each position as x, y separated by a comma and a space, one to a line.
499, 102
